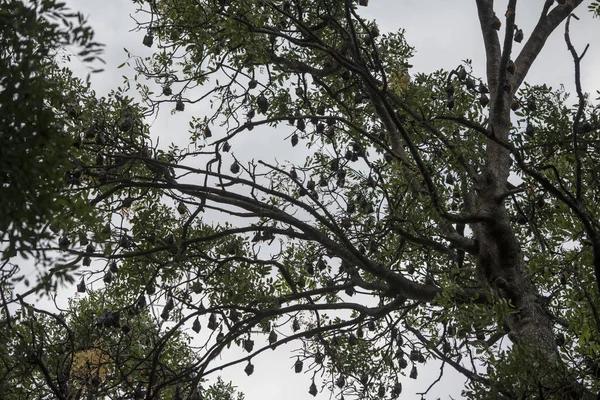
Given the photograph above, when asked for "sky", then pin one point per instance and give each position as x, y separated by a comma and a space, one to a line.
443, 33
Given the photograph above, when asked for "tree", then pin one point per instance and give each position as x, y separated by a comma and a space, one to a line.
33, 144
434, 215
93, 350
88, 350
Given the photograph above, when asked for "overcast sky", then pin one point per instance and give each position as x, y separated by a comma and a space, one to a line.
443, 32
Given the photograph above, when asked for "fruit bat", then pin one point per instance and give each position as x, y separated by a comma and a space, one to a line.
496, 23
298, 366
519, 35
148, 40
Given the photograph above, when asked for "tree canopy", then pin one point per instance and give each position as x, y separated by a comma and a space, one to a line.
449, 217
33, 146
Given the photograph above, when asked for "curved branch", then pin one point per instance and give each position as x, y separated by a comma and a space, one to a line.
534, 45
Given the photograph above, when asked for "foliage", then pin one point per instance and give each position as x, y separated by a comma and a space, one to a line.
433, 217
84, 352
33, 143
594, 7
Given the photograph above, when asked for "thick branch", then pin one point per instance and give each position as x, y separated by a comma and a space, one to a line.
535, 43
485, 9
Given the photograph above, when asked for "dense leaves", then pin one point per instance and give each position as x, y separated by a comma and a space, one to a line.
33, 110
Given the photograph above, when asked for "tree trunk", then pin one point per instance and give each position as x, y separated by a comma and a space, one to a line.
501, 264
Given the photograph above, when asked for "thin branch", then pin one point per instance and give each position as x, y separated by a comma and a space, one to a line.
580, 107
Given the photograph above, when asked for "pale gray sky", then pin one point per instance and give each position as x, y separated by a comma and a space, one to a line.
444, 33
